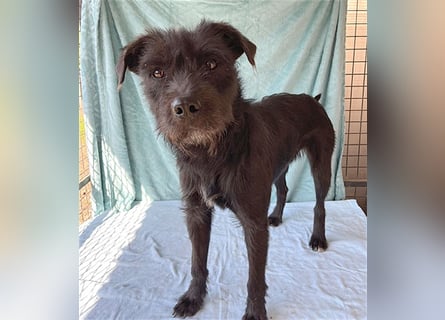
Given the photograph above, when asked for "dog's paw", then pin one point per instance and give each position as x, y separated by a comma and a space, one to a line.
187, 307
255, 310
254, 317
318, 243
274, 221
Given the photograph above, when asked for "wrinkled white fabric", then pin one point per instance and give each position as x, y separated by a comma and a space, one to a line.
135, 265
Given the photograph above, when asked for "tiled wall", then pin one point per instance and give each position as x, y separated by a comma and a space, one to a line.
355, 153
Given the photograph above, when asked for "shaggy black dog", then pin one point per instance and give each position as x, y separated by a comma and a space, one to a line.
229, 150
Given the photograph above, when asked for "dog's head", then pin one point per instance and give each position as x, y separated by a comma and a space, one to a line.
189, 78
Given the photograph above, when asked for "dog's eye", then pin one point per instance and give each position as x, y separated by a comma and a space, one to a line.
158, 73
211, 64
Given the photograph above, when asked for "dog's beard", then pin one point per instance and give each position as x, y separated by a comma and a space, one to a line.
206, 139
187, 139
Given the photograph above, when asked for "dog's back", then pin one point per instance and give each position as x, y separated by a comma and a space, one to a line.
303, 111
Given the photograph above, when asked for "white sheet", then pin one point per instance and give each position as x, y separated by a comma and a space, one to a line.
135, 265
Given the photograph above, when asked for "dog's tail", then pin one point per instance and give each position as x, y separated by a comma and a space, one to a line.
317, 97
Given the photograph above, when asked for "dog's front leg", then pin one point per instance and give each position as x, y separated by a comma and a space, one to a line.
257, 238
199, 218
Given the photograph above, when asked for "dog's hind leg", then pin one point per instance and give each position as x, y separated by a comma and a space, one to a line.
319, 154
276, 218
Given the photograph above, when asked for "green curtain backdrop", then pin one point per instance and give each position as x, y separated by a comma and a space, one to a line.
300, 49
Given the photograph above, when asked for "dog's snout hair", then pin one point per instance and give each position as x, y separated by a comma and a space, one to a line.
229, 150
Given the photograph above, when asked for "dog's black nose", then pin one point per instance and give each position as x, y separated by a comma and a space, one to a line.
184, 108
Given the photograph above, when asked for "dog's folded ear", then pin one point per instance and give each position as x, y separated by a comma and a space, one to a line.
237, 43
129, 58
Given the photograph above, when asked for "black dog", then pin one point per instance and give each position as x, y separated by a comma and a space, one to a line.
229, 150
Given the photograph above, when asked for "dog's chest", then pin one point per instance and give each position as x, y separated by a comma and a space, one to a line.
217, 179
211, 191
215, 184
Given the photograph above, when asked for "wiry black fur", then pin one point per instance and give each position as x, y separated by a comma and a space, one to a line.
229, 150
